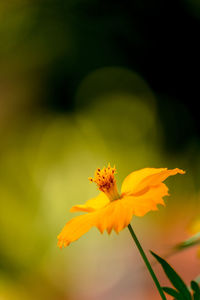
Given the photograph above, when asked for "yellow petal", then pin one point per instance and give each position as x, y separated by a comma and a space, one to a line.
116, 215
132, 181
140, 181
142, 191
93, 204
119, 218
142, 204
75, 228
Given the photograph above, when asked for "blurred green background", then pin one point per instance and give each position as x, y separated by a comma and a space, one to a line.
84, 83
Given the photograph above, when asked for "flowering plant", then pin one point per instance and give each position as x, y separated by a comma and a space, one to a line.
141, 192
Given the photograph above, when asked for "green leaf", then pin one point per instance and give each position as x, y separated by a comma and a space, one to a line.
192, 241
172, 292
196, 289
175, 279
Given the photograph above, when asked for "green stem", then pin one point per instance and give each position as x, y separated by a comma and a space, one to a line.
147, 262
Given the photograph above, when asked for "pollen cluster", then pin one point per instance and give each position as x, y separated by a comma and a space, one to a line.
105, 180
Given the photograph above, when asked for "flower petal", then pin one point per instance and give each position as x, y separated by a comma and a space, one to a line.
93, 204
142, 204
75, 228
117, 215
140, 181
142, 191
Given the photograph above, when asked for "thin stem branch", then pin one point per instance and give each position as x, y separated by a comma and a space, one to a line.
147, 263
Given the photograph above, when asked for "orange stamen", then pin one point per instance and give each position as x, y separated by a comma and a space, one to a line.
106, 182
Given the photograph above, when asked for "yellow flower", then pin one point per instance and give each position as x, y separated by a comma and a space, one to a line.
141, 191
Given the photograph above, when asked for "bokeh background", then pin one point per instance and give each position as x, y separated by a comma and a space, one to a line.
84, 83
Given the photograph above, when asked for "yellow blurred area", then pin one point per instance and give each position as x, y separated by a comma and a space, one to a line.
45, 162
46, 159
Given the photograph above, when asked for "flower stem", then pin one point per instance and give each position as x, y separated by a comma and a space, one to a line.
147, 262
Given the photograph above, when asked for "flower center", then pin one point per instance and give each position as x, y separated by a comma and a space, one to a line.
105, 180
